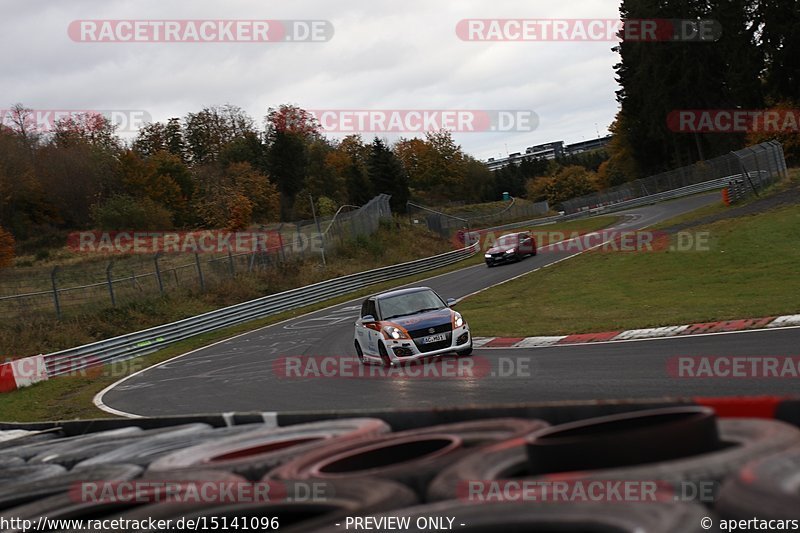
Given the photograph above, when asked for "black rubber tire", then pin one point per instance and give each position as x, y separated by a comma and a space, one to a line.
71, 455
7, 461
30, 450
341, 498
254, 453
143, 452
750, 438
24, 491
35, 437
648, 436
29, 473
360, 353
534, 516
768, 488
384, 355
410, 457
466, 352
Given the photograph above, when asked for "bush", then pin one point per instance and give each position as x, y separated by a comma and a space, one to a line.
6, 248
125, 212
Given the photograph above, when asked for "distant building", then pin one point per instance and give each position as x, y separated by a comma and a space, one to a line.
549, 150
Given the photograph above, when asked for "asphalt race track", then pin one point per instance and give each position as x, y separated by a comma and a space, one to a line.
259, 371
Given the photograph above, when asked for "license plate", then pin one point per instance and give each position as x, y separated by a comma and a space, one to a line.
434, 338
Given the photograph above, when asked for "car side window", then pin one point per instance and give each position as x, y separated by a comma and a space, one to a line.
365, 308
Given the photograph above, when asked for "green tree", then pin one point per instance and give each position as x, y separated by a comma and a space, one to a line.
124, 212
387, 175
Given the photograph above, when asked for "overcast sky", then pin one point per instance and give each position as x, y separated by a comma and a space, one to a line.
384, 55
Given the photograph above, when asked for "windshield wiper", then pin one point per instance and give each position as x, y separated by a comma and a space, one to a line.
414, 313
426, 310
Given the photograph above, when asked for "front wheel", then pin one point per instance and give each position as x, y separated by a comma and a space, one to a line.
466, 351
384, 355
360, 354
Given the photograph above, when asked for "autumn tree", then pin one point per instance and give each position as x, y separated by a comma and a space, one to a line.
6, 248
240, 196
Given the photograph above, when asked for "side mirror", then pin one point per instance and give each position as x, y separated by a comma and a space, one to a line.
368, 318
451, 302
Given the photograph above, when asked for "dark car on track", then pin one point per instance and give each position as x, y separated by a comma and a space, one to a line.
511, 247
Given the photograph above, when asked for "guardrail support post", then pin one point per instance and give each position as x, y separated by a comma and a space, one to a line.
199, 272
56, 301
110, 283
158, 273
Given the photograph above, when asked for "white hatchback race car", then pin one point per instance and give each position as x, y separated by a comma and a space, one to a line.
409, 324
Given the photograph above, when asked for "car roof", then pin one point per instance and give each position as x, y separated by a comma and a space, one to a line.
398, 292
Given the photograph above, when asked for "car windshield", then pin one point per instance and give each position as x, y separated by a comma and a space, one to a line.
507, 240
409, 304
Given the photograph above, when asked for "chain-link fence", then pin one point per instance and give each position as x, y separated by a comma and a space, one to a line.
104, 282
445, 224
763, 163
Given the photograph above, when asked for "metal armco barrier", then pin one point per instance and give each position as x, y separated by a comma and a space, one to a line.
149, 340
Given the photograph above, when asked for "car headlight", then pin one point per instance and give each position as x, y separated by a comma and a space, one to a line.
392, 332
487, 256
458, 320
511, 251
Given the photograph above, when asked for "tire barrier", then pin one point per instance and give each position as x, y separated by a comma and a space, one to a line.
143, 452
767, 488
410, 457
319, 474
24, 490
636, 446
253, 454
70, 456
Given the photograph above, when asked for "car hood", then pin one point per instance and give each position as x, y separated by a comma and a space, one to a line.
424, 320
500, 249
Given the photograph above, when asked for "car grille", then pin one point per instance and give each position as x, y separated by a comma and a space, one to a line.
424, 348
442, 328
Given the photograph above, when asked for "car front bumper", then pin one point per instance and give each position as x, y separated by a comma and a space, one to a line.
500, 259
406, 350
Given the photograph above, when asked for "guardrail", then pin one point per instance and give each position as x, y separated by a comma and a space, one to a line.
689, 190
149, 340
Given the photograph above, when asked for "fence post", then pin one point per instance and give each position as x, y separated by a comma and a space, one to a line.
230, 263
199, 272
319, 230
110, 283
55, 291
158, 273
